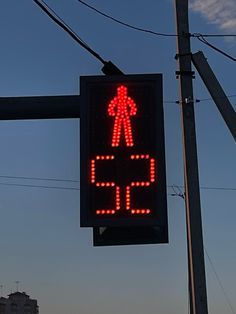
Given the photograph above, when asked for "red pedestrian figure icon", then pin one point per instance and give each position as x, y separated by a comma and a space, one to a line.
122, 107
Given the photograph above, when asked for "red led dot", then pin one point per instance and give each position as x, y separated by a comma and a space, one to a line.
117, 198
127, 198
92, 171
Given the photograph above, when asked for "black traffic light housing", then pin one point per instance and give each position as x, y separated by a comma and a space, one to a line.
123, 182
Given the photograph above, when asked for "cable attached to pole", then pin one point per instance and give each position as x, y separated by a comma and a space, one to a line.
124, 23
204, 41
108, 67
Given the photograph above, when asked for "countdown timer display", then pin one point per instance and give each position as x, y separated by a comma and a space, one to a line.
122, 166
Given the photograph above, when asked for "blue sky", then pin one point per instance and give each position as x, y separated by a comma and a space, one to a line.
41, 242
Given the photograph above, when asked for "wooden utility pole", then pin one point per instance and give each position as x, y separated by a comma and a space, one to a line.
197, 279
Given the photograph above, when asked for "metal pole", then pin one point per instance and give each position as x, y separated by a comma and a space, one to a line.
217, 93
39, 107
193, 208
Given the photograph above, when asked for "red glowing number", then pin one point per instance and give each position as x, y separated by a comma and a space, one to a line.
141, 184
105, 185
122, 107
111, 184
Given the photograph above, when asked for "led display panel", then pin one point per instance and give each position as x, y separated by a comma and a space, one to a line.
122, 166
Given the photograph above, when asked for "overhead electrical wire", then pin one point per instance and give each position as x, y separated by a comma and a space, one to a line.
40, 186
59, 21
62, 21
147, 30
124, 23
37, 178
200, 37
173, 187
198, 100
210, 99
204, 41
216, 188
212, 35
67, 29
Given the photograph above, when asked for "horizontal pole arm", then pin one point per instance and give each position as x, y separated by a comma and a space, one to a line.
39, 107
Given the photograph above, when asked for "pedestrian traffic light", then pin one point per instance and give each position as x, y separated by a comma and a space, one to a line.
122, 171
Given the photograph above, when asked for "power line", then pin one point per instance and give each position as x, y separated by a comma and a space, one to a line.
148, 30
219, 188
40, 186
37, 178
173, 187
204, 41
197, 100
210, 99
59, 21
124, 23
212, 35
69, 31
176, 188
109, 66
62, 21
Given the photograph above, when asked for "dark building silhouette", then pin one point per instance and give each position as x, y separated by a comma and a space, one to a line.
18, 303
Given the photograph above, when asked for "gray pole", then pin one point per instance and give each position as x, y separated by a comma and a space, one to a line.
217, 93
197, 277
